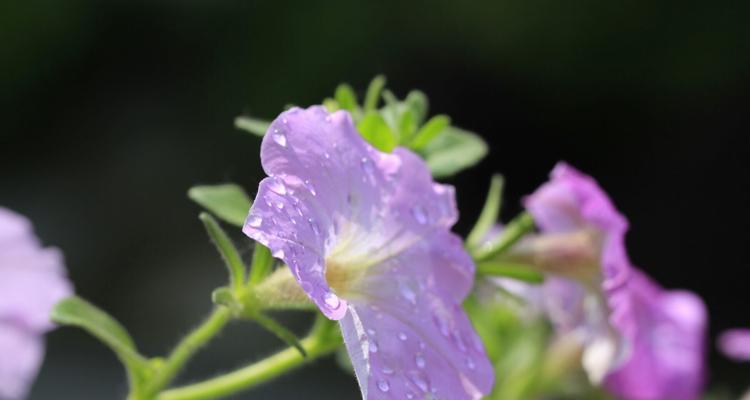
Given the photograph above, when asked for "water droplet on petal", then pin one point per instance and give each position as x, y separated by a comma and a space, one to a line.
409, 395
255, 221
277, 185
332, 300
387, 371
371, 331
383, 385
373, 347
420, 382
408, 294
278, 253
279, 138
280, 205
419, 214
367, 168
313, 226
470, 363
310, 187
326, 155
402, 336
419, 360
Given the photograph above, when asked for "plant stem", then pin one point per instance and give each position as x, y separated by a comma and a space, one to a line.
317, 344
187, 347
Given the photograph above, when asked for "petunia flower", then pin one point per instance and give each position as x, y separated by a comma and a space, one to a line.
640, 341
32, 280
367, 236
735, 344
666, 332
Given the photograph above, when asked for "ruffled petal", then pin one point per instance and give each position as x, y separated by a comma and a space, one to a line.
571, 201
406, 332
331, 197
667, 349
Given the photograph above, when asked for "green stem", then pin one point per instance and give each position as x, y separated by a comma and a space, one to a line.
317, 344
187, 347
513, 232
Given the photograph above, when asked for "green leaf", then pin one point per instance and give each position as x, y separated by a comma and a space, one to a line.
227, 250
517, 271
407, 126
373, 93
75, 311
490, 213
377, 132
227, 201
429, 131
417, 102
346, 98
261, 265
253, 125
453, 151
279, 330
513, 232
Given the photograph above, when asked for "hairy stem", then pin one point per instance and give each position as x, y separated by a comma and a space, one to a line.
320, 342
188, 347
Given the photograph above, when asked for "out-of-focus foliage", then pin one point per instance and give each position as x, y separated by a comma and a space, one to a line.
447, 149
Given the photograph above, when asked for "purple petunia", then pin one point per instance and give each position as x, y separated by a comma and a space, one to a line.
32, 280
367, 236
735, 344
645, 343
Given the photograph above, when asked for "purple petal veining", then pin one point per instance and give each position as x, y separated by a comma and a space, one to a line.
32, 280
367, 236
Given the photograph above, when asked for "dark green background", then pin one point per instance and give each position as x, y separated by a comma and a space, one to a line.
111, 110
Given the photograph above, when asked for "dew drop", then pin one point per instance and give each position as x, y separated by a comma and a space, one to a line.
278, 253
419, 214
371, 331
277, 185
327, 156
332, 300
367, 168
383, 385
409, 395
280, 205
421, 383
408, 294
279, 138
314, 226
255, 221
470, 363
387, 371
310, 187
373, 347
419, 360
402, 336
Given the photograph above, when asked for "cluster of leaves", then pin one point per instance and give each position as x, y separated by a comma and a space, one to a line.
447, 149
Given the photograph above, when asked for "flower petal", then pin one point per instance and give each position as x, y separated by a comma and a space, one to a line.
22, 354
331, 195
666, 360
572, 201
32, 278
735, 344
407, 334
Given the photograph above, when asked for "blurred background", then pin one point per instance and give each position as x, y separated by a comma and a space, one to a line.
112, 110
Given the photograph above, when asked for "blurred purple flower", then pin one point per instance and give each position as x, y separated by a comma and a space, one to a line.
735, 344
643, 342
665, 331
32, 280
367, 236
